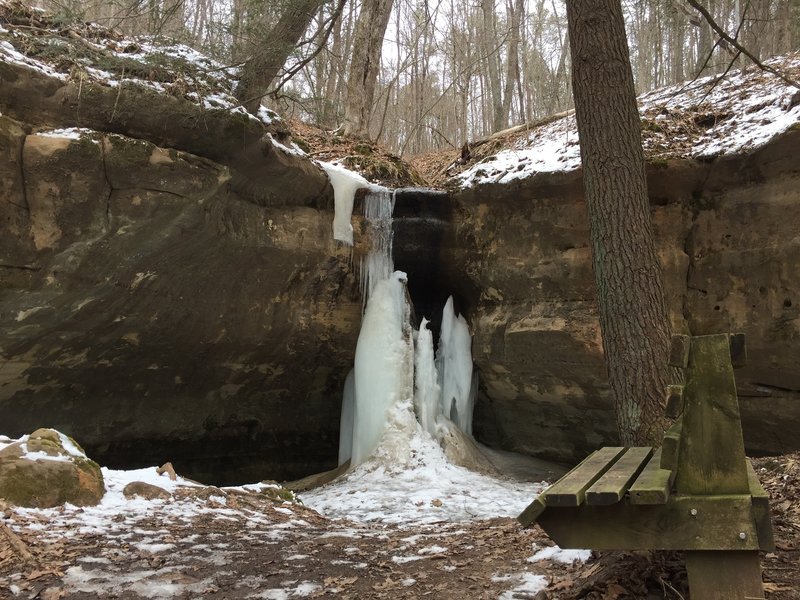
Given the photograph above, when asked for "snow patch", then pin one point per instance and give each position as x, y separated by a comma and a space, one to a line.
563, 556
701, 119
527, 584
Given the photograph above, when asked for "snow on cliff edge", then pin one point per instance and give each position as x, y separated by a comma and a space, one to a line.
701, 119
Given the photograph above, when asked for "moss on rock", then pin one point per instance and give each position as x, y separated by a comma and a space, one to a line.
37, 482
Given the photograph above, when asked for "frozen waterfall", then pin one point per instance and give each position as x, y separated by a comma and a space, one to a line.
397, 390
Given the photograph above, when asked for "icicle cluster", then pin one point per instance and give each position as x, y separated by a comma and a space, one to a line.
378, 264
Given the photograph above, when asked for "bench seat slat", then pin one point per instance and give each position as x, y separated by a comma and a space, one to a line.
570, 490
653, 485
611, 487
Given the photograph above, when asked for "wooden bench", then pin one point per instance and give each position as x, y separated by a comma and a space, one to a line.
697, 493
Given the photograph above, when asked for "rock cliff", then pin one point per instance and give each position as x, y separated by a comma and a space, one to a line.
170, 290
727, 235
152, 312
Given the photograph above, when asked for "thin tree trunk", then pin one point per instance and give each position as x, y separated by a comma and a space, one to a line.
515, 10
364, 68
633, 316
490, 51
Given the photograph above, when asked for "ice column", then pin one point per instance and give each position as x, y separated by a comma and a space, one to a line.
426, 386
454, 366
384, 363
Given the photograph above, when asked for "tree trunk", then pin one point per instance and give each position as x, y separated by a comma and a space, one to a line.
515, 11
633, 316
367, 46
259, 71
491, 51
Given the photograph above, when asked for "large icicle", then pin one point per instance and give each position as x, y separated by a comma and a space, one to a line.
345, 183
426, 386
384, 364
454, 365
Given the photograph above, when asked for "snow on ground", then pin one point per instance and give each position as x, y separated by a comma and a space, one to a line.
701, 119
422, 518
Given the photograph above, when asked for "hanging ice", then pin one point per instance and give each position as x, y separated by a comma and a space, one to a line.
345, 183
454, 366
384, 364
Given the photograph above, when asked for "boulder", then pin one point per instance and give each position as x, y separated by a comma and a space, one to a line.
47, 469
144, 490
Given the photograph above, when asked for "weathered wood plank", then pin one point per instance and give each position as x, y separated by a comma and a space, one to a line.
724, 575
653, 484
674, 401
611, 487
528, 516
711, 454
683, 523
679, 351
570, 490
761, 516
670, 446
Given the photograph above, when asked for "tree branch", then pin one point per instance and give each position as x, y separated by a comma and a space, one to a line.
723, 35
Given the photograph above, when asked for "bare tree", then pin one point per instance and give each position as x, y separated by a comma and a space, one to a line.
364, 68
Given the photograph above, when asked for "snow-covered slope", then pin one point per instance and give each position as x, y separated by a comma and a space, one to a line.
702, 119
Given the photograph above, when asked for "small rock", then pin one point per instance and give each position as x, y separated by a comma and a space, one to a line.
169, 470
436, 502
145, 490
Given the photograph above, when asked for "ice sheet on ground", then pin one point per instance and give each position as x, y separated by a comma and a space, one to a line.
410, 482
527, 585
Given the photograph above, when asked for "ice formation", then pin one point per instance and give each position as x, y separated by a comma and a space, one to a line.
384, 364
426, 384
397, 390
345, 183
378, 264
454, 366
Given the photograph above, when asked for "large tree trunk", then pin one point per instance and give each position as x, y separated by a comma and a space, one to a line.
633, 315
370, 29
259, 71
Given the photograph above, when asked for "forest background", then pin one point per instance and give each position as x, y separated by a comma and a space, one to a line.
446, 71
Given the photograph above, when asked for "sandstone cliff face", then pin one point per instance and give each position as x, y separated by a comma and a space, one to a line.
730, 252
154, 313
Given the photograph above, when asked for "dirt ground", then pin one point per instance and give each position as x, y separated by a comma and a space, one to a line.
236, 544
